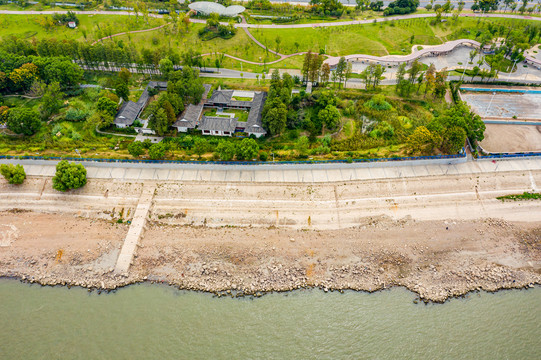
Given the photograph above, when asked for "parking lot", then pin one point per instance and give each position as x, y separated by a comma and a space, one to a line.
505, 105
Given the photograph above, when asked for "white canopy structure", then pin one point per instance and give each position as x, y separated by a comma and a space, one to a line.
207, 8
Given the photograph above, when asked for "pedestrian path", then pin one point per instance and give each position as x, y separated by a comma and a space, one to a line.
136, 229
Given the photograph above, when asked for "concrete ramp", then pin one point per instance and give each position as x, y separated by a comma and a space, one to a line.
136, 229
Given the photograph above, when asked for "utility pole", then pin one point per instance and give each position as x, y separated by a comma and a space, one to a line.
512, 67
490, 103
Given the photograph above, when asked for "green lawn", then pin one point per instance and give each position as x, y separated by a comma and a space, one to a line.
30, 26
241, 115
239, 45
376, 39
390, 37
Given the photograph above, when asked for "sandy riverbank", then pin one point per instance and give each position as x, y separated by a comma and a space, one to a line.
436, 259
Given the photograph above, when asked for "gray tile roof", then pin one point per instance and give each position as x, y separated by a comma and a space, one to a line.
254, 123
128, 113
216, 123
190, 117
207, 89
221, 97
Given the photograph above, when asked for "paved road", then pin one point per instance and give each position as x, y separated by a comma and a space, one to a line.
284, 26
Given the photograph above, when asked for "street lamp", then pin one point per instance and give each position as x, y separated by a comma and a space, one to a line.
490, 103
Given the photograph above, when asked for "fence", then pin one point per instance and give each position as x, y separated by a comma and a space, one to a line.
509, 155
142, 161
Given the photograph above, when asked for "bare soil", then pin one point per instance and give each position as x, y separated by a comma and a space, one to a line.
436, 259
512, 138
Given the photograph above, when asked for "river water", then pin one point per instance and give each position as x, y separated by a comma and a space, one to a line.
159, 322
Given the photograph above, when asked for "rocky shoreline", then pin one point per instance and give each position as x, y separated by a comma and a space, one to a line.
464, 256
108, 284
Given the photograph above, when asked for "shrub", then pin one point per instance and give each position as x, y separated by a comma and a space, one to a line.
136, 149
378, 103
69, 176
247, 149
157, 151
14, 174
75, 114
226, 150
23, 121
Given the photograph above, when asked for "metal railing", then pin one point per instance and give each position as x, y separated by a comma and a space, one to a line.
220, 162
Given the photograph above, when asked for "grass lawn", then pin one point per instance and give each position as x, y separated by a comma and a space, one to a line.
241, 115
239, 45
28, 26
390, 37
375, 39
294, 62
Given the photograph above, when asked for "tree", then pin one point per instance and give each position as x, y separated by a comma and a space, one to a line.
275, 119
107, 105
453, 140
169, 111
440, 86
51, 101
302, 145
362, 5
69, 176
330, 116
325, 73
487, 5
475, 72
136, 148
4, 112
200, 146
402, 85
124, 75
414, 70
347, 74
158, 121
226, 150
247, 149
421, 141
462, 116
306, 65
23, 121
341, 68
156, 151
430, 78
14, 174
122, 90
278, 41
166, 67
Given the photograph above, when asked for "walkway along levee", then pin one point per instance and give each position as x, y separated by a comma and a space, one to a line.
136, 229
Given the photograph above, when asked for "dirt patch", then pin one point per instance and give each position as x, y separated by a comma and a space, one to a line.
512, 138
59, 248
436, 259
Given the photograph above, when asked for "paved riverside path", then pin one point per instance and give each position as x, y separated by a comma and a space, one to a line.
273, 26
136, 229
281, 173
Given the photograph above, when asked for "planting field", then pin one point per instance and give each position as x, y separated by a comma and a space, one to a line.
512, 138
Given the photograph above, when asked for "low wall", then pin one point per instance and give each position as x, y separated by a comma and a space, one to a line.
377, 162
